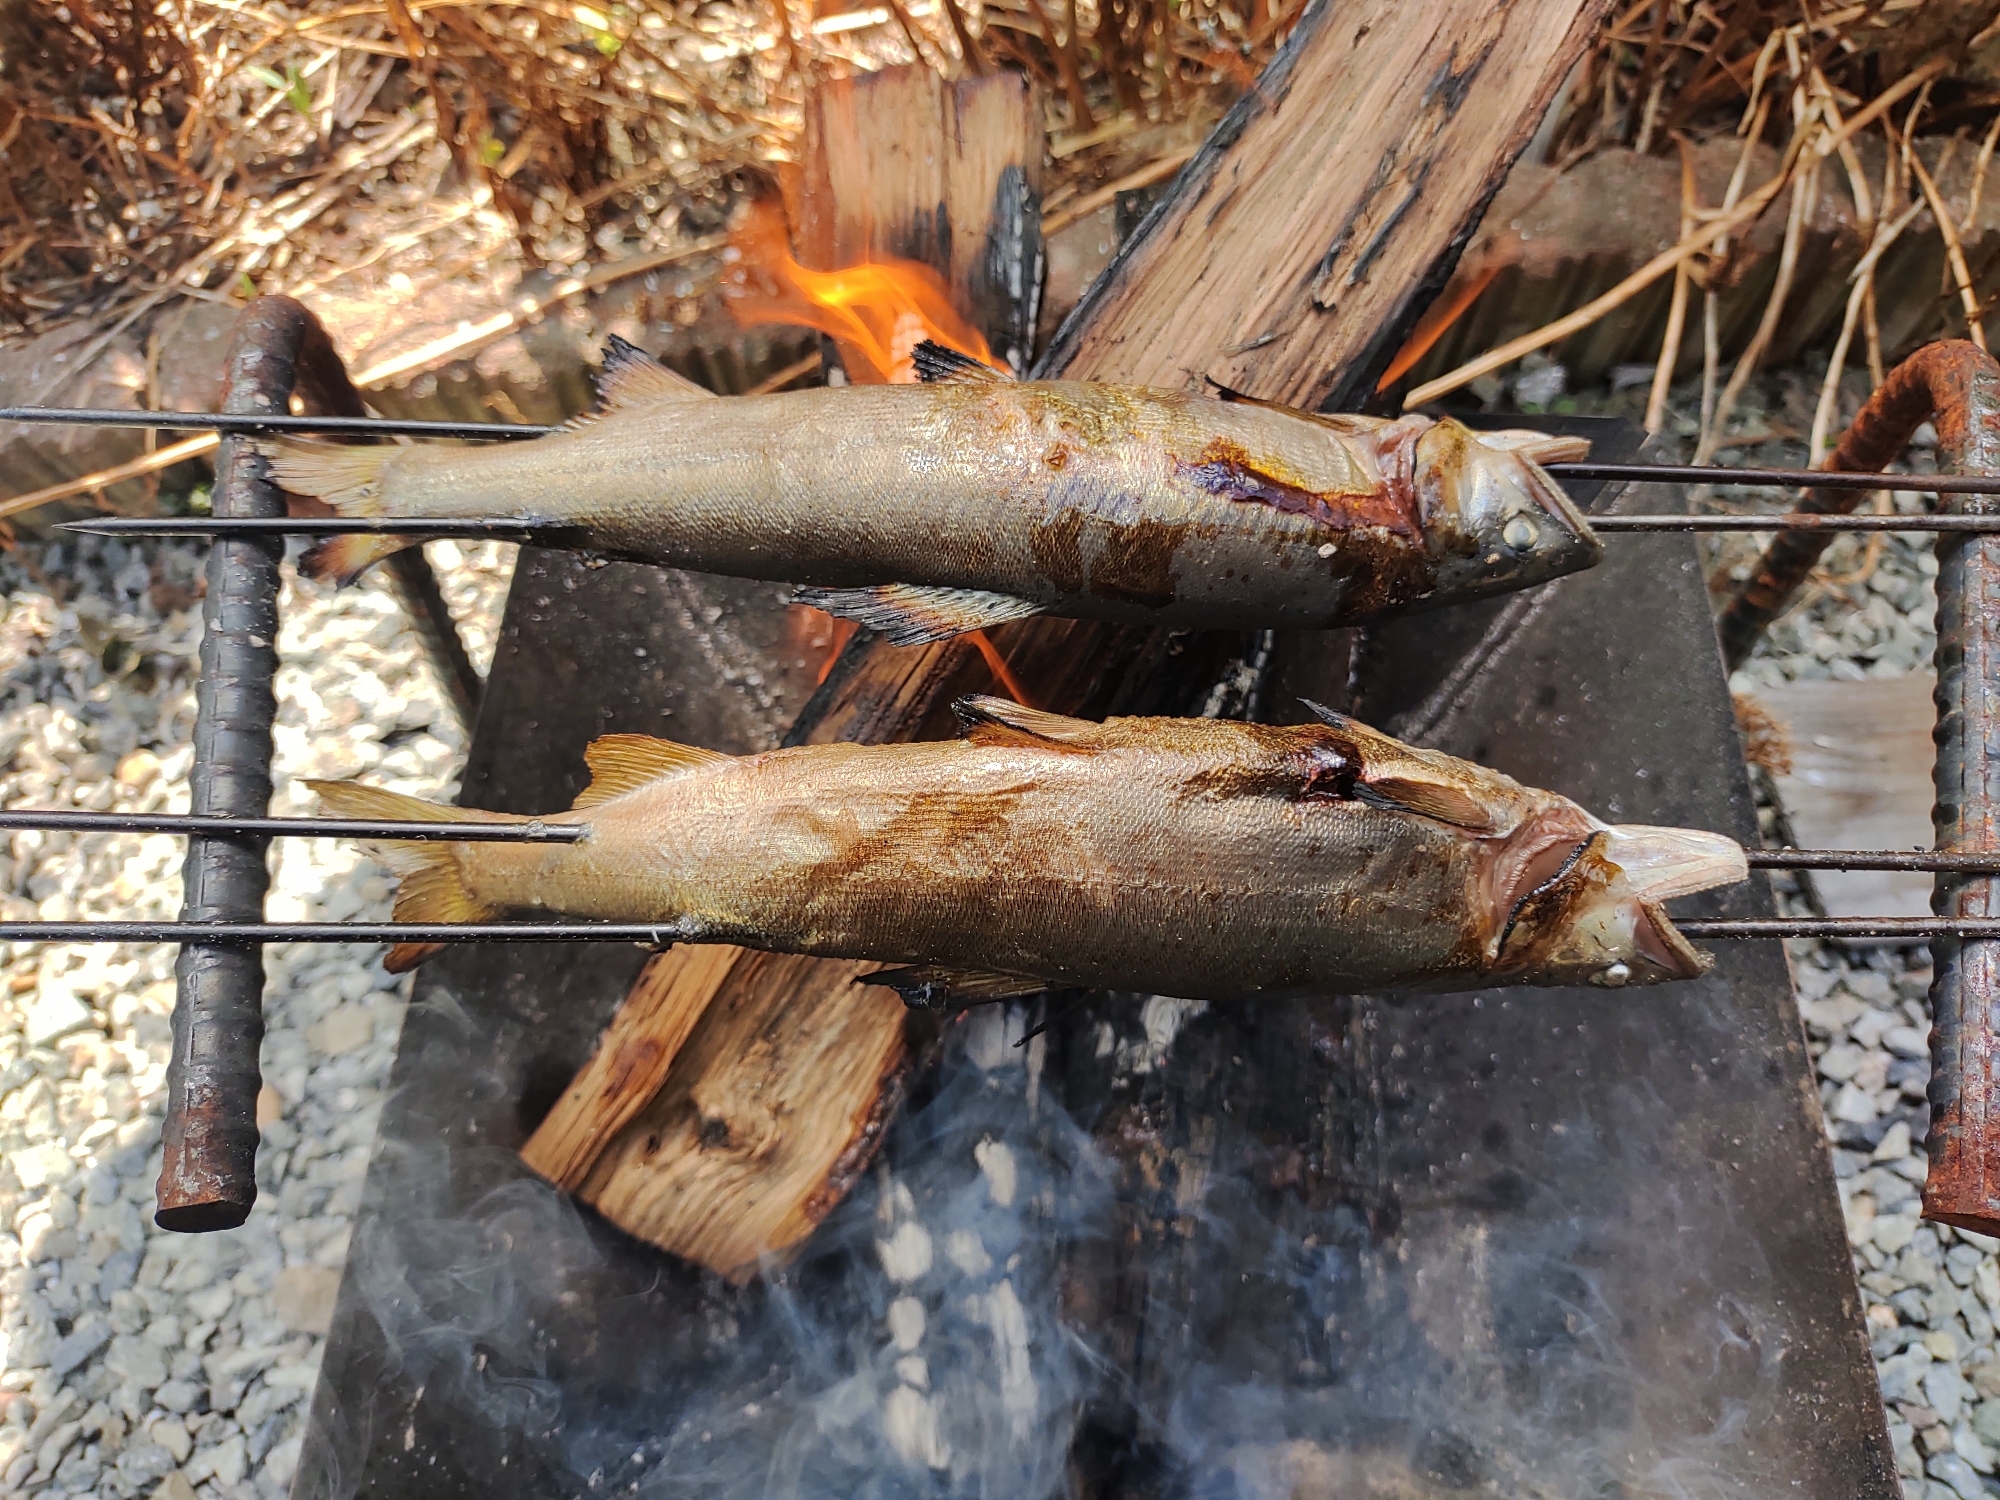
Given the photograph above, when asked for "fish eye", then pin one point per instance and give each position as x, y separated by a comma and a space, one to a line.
1519, 533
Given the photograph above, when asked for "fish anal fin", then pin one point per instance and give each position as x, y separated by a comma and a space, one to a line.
340, 560
940, 364
621, 763
907, 614
433, 886
1001, 721
935, 986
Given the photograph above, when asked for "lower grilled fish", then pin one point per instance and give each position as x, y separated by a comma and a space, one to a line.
1199, 858
926, 510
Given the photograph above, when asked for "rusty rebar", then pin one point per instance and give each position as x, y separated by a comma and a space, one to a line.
1933, 385
1963, 1184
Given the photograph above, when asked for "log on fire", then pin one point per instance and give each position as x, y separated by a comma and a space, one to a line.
1291, 257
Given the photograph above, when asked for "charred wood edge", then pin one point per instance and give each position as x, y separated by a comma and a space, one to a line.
208, 1176
1962, 1186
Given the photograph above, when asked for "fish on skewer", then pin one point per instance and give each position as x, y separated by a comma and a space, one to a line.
1192, 857
925, 510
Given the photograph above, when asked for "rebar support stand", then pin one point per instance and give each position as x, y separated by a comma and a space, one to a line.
1963, 1184
208, 1179
1931, 385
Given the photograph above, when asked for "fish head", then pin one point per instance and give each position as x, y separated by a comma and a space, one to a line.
1493, 519
1587, 904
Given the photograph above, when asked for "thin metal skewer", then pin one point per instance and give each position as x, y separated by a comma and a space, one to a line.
62, 821
263, 423
1919, 860
1914, 929
513, 528
273, 423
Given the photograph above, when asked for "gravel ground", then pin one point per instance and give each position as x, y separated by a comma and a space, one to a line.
134, 1362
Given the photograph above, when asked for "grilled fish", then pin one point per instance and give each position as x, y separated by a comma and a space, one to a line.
926, 510
1198, 858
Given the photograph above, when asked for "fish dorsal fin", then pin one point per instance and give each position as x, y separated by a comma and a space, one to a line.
937, 364
621, 763
1001, 721
1390, 774
631, 377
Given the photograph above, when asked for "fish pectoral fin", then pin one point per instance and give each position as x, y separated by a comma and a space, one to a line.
939, 364
621, 763
986, 720
1391, 774
934, 986
908, 614
340, 560
630, 377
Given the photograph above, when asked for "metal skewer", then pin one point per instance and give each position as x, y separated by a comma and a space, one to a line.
332, 426
513, 528
658, 934
63, 821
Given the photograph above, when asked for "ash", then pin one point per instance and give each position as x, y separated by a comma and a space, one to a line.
133, 1361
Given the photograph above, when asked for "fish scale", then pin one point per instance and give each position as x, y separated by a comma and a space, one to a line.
1198, 858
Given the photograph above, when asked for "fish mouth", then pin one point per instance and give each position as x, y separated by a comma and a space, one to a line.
1599, 917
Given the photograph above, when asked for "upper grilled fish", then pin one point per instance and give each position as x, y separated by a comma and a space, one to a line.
926, 510
1197, 858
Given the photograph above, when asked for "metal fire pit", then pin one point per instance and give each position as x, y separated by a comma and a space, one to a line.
1525, 1242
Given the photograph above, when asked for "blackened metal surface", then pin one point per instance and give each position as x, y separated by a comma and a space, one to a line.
1935, 382
1962, 1186
1521, 1242
208, 1178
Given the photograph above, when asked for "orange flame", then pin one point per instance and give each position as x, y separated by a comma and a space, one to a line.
877, 311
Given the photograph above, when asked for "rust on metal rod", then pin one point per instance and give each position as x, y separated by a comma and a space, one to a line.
1934, 384
1962, 1186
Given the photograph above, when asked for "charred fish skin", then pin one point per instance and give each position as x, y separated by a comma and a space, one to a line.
927, 510
1198, 858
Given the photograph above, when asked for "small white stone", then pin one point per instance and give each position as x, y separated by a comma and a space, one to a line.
996, 1162
1895, 1143
54, 1013
965, 1250
906, 1254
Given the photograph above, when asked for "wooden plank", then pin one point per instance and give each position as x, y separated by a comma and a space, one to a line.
1331, 204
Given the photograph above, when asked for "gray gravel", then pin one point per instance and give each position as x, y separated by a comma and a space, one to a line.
132, 1361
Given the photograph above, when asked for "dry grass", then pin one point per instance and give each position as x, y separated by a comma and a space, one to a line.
221, 147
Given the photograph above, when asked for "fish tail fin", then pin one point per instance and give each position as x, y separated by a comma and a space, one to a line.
434, 887
348, 481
